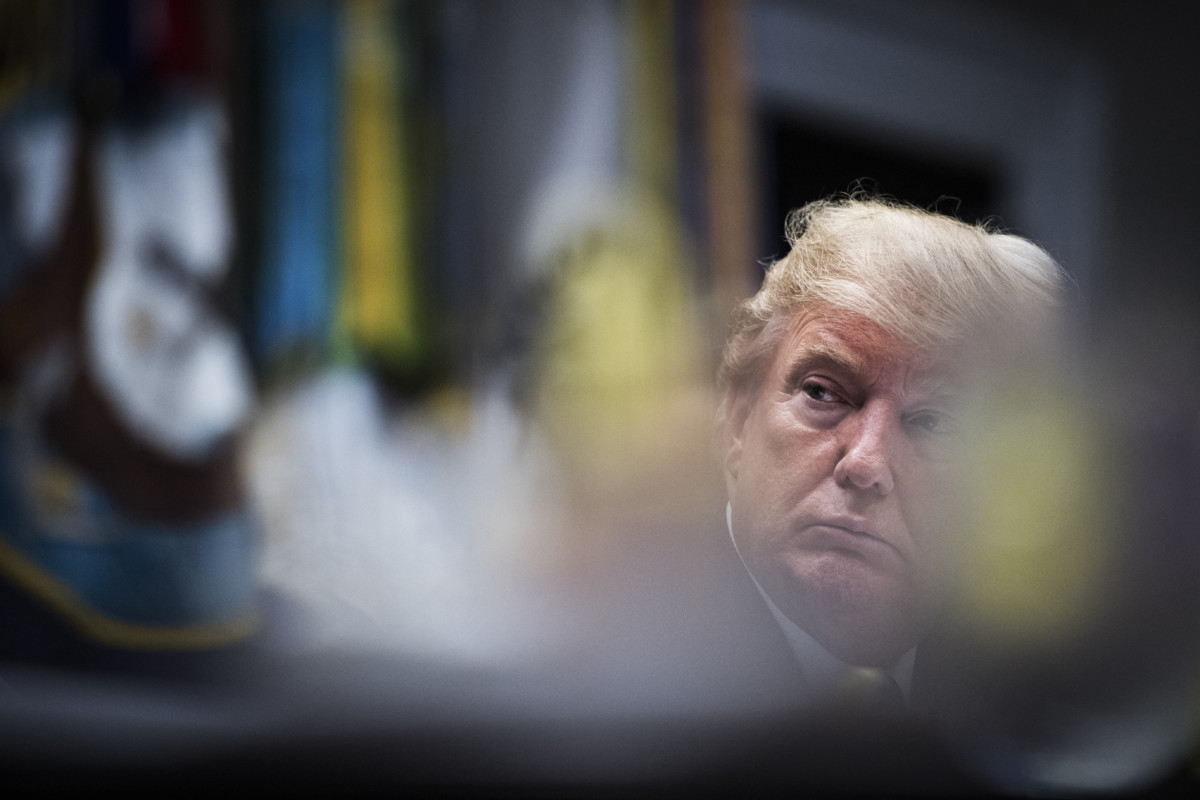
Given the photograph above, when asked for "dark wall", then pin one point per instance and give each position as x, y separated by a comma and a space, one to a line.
1149, 57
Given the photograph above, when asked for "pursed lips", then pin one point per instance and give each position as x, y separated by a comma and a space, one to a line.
849, 533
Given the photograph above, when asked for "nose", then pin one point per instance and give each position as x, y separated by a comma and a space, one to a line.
866, 457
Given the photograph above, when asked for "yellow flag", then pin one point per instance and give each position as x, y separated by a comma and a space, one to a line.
378, 305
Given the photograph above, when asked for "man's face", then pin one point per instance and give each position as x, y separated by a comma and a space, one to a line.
839, 471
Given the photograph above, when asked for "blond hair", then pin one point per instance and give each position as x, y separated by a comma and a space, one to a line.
924, 278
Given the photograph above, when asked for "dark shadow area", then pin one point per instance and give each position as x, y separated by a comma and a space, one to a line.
804, 159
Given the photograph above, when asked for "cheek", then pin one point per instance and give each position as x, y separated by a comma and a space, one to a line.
782, 465
930, 509
779, 448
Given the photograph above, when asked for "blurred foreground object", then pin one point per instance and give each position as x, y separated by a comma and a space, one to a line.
1077, 638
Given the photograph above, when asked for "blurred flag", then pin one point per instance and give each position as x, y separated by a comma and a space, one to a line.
295, 309
379, 305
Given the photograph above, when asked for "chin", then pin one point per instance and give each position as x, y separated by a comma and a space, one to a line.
861, 614
845, 582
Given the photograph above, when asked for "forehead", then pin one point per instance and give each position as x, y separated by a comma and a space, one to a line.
854, 344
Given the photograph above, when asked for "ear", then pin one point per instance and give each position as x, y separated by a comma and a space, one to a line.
737, 412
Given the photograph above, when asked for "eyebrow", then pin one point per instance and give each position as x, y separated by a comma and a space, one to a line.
939, 388
819, 353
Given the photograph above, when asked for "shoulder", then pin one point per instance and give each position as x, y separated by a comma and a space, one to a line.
690, 617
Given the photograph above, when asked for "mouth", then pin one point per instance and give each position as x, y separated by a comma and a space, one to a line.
852, 536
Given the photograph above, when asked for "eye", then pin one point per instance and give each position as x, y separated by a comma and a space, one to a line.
818, 391
934, 422
820, 402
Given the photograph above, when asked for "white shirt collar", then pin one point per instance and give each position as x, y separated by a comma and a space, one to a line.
821, 669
